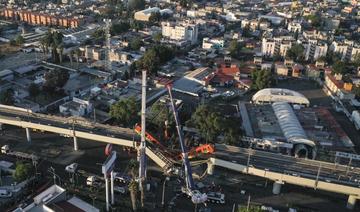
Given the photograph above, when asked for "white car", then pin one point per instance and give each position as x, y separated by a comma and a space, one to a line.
71, 168
5, 193
120, 189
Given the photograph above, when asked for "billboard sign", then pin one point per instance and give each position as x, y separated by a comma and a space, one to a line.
109, 164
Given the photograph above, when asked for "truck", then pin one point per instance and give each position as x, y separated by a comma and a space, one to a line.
216, 197
355, 117
22, 155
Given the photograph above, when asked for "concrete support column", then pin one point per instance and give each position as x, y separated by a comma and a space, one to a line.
112, 187
107, 193
277, 187
75, 144
1, 125
28, 136
210, 168
351, 202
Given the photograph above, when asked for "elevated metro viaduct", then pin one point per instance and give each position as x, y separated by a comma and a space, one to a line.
60, 126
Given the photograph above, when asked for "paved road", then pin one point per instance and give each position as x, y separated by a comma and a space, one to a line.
289, 165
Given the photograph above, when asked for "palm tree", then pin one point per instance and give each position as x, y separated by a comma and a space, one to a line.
133, 188
133, 185
60, 50
71, 53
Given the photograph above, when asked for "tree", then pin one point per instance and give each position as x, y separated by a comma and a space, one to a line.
252, 208
314, 20
158, 37
185, 3
118, 28
208, 122
56, 78
296, 52
135, 43
125, 111
261, 79
154, 57
33, 90
232, 132
19, 40
7, 97
356, 91
339, 67
234, 48
159, 114
150, 61
134, 5
22, 171
133, 185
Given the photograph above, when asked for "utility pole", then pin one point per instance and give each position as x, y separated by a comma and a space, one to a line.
248, 204
108, 66
142, 147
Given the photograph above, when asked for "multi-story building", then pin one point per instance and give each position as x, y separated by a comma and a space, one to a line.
212, 43
275, 46
180, 31
40, 18
294, 27
348, 50
144, 15
315, 49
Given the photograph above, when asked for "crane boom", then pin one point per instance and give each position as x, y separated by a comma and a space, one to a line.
188, 172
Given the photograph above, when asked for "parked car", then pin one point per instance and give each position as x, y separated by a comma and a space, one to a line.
5, 193
72, 167
120, 189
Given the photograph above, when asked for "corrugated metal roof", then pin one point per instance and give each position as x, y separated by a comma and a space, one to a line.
289, 124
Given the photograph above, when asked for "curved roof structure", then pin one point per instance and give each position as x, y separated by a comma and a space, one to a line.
280, 95
290, 125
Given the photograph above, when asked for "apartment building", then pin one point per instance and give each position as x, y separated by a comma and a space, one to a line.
275, 46
180, 31
41, 18
348, 50
294, 27
315, 49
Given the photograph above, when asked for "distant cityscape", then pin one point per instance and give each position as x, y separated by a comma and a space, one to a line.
179, 105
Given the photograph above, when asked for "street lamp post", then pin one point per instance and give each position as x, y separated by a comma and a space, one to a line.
163, 192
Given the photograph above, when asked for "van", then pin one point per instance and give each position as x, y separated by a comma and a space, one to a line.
5, 193
92, 181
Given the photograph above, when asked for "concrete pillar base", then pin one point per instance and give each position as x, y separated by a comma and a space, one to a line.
28, 135
351, 202
210, 168
277, 187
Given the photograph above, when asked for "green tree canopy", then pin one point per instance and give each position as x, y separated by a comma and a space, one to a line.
208, 122
261, 79
154, 57
135, 43
19, 40
134, 5
22, 171
7, 97
296, 52
339, 67
234, 48
118, 28
56, 78
125, 112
